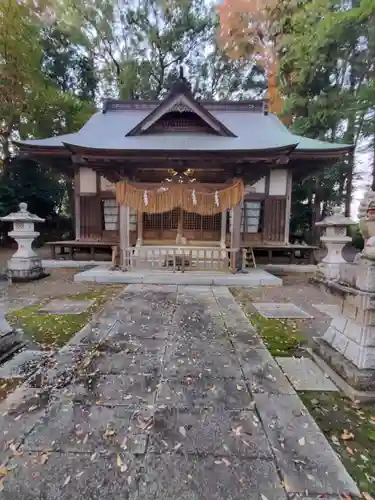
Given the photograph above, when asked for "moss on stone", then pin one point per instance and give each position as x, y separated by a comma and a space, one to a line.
281, 336
55, 330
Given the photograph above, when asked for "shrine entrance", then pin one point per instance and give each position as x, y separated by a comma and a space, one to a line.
178, 223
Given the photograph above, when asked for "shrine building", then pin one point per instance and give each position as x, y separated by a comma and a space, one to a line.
181, 176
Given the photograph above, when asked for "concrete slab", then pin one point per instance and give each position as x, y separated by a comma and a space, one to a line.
255, 277
263, 373
306, 460
64, 476
173, 476
205, 392
82, 428
210, 431
22, 364
305, 375
66, 306
12, 304
280, 310
330, 310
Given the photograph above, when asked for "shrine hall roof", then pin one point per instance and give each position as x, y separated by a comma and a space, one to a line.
248, 130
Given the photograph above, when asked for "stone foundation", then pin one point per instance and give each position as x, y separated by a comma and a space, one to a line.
360, 379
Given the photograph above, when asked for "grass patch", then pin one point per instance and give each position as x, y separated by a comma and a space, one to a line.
282, 336
350, 428
55, 330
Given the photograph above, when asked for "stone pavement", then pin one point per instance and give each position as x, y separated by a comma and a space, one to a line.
170, 395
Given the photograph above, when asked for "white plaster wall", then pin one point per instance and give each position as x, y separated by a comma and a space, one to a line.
260, 186
87, 181
278, 182
106, 185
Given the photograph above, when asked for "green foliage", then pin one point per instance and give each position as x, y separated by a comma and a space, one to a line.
326, 73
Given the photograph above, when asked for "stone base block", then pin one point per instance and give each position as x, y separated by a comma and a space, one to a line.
360, 379
353, 341
329, 271
25, 269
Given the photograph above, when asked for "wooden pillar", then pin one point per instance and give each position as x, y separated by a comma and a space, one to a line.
139, 228
288, 207
223, 235
77, 206
124, 234
235, 241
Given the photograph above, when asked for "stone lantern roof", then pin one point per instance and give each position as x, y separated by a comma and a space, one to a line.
336, 219
22, 215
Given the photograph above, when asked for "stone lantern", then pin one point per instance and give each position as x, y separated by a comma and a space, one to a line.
334, 237
24, 264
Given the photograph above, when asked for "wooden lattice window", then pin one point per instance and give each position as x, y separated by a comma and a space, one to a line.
110, 214
196, 222
252, 215
165, 220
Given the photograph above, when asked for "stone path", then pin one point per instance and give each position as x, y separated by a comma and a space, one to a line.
170, 395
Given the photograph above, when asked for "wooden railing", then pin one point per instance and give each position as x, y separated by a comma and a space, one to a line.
181, 259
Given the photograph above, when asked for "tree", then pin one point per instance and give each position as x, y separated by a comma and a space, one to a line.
326, 72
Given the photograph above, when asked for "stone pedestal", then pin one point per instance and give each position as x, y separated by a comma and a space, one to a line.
334, 237
10, 340
24, 264
349, 342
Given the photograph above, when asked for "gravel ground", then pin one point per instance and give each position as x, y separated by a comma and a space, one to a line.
58, 284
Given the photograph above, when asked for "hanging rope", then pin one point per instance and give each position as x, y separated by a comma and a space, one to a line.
154, 201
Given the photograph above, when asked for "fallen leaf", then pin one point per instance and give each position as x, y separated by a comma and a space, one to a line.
44, 458
237, 430
335, 440
226, 461
182, 431
79, 474
3, 471
67, 480
124, 445
122, 466
109, 432
302, 441
346, 436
